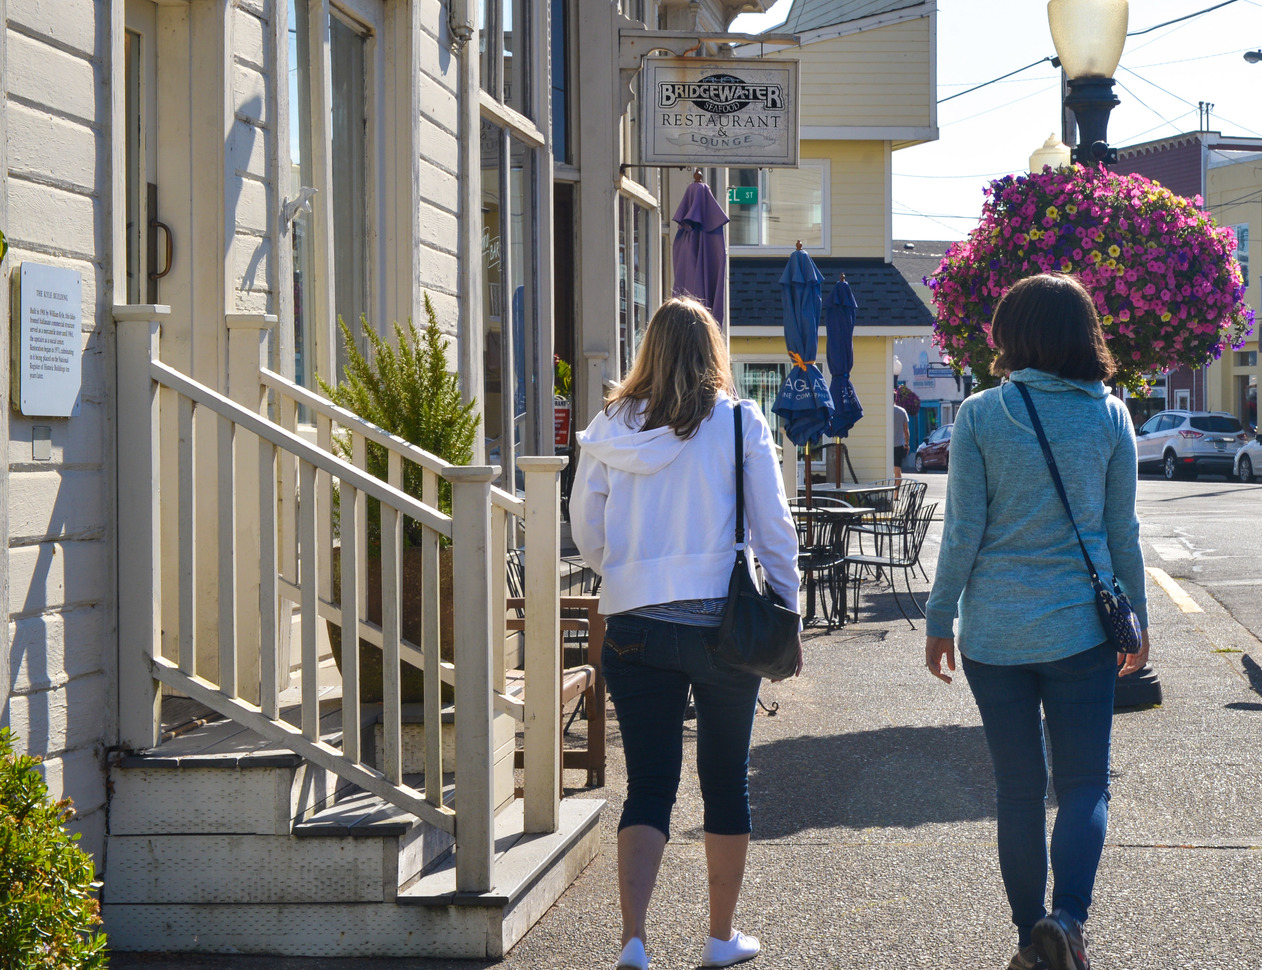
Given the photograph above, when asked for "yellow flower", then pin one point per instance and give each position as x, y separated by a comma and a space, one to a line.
1107, 319
1071, 209
1111, 264
1095, 256
1052, 213
1066, 266
1035, 234
1165, 318
1114, 251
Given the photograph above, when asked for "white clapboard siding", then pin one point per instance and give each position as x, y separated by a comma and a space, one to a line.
70, 23
61, 642
43, 144
56, 504
51, 574
39, 73
51, 721
248, 869
52, 218
78, 775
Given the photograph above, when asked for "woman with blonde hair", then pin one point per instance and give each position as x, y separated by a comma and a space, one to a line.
653, 511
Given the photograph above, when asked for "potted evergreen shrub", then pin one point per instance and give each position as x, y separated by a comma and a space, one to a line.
404, 389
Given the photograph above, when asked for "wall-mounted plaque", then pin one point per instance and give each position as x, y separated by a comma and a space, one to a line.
47, 334
724, 112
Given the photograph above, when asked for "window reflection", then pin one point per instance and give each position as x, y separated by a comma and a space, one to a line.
493, 287
347, 61
779, 206
300, 174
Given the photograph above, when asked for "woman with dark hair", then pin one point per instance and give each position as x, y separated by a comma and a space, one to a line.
653, 511
1011, 569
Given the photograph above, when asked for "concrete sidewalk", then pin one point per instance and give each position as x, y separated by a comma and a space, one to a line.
874, 818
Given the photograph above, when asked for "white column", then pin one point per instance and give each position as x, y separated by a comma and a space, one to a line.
542, 757
247, 347
474, 653
139, 578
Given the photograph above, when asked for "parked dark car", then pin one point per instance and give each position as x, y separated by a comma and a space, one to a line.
935, 451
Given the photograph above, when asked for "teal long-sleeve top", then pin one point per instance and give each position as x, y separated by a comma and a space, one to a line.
1010, 567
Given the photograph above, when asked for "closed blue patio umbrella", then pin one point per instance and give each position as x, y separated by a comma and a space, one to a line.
804, 401
839, 320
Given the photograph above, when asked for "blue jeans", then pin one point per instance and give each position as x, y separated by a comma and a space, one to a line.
649, 666
1077, 698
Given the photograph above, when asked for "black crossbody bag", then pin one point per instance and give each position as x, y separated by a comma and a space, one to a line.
1121, 625
758, 635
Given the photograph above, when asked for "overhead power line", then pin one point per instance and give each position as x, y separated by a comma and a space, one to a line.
1045, 60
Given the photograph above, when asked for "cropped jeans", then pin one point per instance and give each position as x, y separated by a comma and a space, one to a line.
649, 666
1076, 695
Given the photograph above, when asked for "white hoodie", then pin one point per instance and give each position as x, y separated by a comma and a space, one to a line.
655, 515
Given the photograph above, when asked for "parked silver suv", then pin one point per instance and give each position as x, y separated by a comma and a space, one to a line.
1182, 443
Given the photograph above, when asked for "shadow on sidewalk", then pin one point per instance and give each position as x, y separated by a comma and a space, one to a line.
898, 777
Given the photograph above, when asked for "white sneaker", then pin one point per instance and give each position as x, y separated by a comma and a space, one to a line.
633, 955
724, 953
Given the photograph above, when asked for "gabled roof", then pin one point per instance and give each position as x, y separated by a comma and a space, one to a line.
885, 299
810, 14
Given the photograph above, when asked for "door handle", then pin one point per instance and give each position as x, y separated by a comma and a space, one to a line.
170, 248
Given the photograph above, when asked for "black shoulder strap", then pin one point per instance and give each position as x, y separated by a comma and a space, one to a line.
740, 478
1051, 467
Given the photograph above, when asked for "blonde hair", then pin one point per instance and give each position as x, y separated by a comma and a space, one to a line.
680, 368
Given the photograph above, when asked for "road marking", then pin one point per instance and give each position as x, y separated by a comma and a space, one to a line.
1172, 550
1176, 592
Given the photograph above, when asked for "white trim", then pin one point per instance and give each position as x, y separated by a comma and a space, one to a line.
851, 27
826, 234
933, 67
869, 133
637, 193
885, 330
517, 124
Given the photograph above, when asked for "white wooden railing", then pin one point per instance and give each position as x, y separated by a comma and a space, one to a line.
271, 497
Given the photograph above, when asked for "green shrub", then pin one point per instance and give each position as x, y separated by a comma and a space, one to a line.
409, 392
47, 911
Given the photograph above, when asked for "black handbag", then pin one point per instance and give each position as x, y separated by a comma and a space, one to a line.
759, 634
1121, 625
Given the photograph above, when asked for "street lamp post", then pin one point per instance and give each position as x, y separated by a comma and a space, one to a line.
898, 369
1089, 36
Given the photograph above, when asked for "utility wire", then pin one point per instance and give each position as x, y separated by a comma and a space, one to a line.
1133, 33
1176, 20
975, 87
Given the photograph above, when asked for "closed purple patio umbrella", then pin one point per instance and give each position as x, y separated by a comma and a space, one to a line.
699, 253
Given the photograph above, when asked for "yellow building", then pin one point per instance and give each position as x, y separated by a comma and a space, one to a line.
868, 88
1234, 196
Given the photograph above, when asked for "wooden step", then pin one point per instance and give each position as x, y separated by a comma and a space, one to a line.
426, 919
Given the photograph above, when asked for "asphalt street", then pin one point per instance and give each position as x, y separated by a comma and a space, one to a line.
874, 814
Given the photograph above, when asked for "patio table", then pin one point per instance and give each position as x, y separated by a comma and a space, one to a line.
817, 559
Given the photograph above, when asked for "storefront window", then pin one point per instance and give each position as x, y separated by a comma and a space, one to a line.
348, 180
776, 207
493, 282
761, 382
633, 275
301, 174
347, 61
516, 20
561, 150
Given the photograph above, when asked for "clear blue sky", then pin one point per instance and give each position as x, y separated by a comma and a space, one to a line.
991, 132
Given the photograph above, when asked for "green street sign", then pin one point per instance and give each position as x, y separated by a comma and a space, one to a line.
742, 195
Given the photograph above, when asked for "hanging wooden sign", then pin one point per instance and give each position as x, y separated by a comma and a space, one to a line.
719, 112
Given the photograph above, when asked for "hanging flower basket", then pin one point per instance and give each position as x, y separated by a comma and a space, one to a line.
907, 399
1165, 281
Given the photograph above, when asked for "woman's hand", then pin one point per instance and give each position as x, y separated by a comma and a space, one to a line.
1131, 662
935, 649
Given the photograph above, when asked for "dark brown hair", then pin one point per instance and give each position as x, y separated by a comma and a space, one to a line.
679, 370
1049, 322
